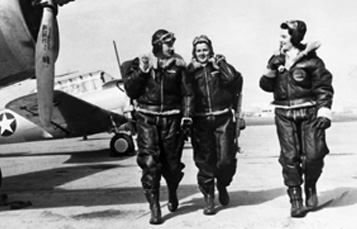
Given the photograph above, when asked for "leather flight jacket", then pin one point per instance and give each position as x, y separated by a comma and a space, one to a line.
307, 82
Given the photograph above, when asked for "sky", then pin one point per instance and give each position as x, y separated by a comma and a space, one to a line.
245, 31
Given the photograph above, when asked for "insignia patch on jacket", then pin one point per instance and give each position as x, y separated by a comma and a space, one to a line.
299, 75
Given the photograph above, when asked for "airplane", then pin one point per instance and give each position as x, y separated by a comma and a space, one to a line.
82, 105
29, 44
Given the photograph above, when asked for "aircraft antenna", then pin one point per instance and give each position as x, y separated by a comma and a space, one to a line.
118, 59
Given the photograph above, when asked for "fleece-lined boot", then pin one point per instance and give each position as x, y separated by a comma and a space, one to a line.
311, 195
152, 197
223, 196
297, 208
173, 202
209, 208
208, 193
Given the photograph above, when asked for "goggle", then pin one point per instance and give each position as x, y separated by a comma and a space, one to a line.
166, 38
290, 25
201, 39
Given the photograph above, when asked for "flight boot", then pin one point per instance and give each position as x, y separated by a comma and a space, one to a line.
208, 193
173, 203
311, 195
223, 196
297, 208
209, 208
152, 197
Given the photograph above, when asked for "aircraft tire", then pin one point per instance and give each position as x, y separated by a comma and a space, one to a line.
121, 145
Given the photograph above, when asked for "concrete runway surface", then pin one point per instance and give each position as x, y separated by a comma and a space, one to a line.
74, 184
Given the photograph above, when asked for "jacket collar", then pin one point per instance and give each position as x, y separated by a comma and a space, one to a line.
293, 57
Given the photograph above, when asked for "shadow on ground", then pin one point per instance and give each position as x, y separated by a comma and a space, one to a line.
131, 195
237, 199
102, 155
339, 197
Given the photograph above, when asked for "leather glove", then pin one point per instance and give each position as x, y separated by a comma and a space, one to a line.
215, 60
145, 64
219, 58
275, 61
323, 123
270, 73
186, 123
214, 63
242, 125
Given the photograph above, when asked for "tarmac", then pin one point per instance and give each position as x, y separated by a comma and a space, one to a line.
74, 184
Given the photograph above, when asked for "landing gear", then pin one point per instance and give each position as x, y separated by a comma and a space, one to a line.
122, 145
3, 196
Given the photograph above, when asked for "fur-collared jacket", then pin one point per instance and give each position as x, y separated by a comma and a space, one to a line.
306, 81
162, 88
215, 86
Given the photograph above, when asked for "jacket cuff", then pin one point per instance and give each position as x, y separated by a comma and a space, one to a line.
270, 74
324, 112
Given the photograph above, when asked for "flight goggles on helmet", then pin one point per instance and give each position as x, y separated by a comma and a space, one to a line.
165, 38
201, 39
295, 25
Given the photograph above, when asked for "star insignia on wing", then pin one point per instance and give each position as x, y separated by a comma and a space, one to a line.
7, 124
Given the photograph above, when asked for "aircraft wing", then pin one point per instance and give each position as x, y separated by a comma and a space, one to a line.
71, 116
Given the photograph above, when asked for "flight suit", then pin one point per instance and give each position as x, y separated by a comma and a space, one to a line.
160, 95
215, 90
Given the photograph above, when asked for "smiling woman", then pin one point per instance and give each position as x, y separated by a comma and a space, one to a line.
216, 86
303, 94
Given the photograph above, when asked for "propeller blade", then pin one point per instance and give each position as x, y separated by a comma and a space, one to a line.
47, 47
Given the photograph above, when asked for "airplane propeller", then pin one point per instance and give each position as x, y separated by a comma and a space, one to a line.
46, 53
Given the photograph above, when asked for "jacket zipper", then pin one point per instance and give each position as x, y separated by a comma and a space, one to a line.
162, 91
208, 91
288, 87
288, 81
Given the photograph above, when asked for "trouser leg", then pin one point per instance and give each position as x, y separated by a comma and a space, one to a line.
289, 135
204, 146
149, 161
171, 145
226, 155
203, 142
315, 149
148, 151
290, 146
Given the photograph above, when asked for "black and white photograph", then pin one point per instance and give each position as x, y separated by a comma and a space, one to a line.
178, 114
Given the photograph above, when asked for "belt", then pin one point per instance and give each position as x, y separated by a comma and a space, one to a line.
158, 110
295, 103
212, 113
